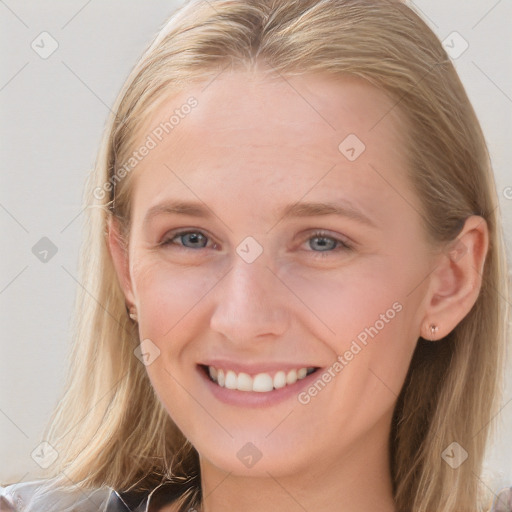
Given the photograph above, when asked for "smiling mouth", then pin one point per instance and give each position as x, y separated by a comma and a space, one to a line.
261, 382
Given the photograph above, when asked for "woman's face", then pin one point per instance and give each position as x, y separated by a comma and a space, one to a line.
231, 282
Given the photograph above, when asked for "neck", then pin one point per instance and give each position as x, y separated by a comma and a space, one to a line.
356, 480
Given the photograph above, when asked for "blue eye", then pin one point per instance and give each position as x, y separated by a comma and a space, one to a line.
195, 238
325, 243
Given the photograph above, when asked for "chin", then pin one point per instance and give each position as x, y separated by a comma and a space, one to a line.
253, 458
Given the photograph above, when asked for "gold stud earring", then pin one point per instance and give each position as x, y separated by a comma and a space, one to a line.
132, 312
433, 331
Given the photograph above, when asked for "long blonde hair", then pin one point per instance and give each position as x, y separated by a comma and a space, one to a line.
111, 429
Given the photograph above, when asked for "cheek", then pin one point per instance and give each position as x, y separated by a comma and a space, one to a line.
167, 297
368, 317
168, 300
343, 304
373, 374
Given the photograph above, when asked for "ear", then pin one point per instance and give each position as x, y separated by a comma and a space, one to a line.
456, 280
118, 248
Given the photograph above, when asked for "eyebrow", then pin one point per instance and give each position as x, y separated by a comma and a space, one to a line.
299, 209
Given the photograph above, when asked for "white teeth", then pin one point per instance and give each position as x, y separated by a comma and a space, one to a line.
280, 380
291, 377
262, 382
244, 382
231, 380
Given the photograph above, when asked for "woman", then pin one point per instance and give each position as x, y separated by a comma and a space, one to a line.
294, 204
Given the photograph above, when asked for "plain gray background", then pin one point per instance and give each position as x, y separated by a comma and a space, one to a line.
53, 113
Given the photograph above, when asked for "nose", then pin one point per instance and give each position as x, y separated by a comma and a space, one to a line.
250, 303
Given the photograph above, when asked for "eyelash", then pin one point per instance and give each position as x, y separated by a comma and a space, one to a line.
343, 245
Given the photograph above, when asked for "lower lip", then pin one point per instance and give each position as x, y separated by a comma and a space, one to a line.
255, 398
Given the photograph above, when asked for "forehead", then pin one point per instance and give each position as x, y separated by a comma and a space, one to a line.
289, 135
314, 107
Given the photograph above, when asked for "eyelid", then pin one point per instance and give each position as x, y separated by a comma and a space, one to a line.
169, 236
344, 243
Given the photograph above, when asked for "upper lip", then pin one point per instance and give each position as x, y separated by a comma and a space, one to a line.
255, 368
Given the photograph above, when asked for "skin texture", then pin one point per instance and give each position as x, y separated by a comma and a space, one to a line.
253, 145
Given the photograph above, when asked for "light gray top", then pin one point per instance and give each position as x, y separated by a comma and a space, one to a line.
38, 496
